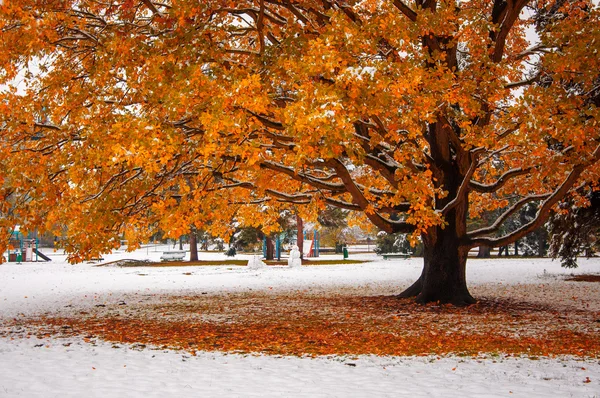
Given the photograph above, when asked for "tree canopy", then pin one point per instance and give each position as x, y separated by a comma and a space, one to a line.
126, 116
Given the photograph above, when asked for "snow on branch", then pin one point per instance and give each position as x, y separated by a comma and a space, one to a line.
504, 178
504, 216
543, 213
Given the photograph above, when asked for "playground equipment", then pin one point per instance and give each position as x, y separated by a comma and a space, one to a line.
311, 247
24, 248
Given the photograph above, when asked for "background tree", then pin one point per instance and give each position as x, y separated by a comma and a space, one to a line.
334, 228
575, 230
533, 244
418, 114
395, 243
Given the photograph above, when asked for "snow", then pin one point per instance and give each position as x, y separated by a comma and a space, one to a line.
56, 367
102, 371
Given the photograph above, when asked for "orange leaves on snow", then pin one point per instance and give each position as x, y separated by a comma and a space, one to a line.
302, 324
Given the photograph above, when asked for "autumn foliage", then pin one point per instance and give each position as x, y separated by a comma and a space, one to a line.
298, 323
132, 116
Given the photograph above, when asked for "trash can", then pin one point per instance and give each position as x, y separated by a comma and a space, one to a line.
19, 257
345, 251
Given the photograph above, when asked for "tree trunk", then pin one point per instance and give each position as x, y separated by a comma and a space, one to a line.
193, 245
484, 252
270, 249
542, 240
443, 278
300, 232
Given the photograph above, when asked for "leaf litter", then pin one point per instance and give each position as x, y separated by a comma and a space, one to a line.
336, 322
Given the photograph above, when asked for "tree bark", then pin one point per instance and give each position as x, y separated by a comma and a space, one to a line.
270, 249
542, 240
300, 232
193, 245
443, 278
484, 252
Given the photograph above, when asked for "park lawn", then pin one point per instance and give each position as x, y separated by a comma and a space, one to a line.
66, 329
332, 322
234, 262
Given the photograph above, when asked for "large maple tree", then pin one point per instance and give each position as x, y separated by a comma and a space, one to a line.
127, 116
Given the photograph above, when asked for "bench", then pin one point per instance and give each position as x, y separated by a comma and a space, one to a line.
173, 256
387, 256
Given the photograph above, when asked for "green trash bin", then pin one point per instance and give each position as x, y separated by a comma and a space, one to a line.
19, 257
345, 251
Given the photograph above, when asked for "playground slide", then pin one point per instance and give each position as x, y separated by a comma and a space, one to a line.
42, 255
307, 248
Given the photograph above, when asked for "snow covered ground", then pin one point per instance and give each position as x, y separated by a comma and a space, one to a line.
55, 367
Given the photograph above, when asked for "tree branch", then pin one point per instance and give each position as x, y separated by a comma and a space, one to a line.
152, 7
522, 83
543, 212
463, 189
362, 202
406, 10
504, 216
303, 177
273, 124
504, 178
504, 14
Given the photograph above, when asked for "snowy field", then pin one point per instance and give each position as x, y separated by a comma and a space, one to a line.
54, 367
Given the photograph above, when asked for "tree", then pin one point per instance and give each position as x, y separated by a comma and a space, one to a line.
575, 229
417, 114
193, 244
394, 243
248, 239
534, 243
335, 230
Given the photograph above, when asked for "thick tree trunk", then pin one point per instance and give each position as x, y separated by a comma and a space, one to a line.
443, 278
193, 246
300, 232
444, 272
